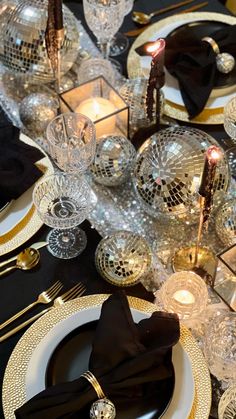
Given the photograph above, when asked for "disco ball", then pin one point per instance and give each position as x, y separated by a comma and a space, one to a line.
168, 169
123, 258
22, 40
113, 160
225, 222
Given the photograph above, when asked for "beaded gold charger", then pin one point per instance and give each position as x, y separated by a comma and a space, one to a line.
14, 383
138, 66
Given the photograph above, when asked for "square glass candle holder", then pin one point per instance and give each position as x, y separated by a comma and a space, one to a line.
225, 280
100, 102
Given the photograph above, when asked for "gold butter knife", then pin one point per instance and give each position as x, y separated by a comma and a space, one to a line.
136, 32
37, 245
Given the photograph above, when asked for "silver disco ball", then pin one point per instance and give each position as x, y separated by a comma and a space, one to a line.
225, 222
113, 160
168, 169
22, 40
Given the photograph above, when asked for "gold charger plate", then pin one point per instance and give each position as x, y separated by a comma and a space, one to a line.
14, 392
134, 66
30, 223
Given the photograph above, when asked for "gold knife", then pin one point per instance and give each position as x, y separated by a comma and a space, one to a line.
37, 245
136, 32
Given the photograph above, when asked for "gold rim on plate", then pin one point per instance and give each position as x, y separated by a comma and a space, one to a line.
176, 111
13, 391
31, 222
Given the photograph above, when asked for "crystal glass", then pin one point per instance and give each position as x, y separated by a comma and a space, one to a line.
104, 17
120, 42
94, 67
184, 293
220, 347
63, 202
227, 404
72, 141
230, 118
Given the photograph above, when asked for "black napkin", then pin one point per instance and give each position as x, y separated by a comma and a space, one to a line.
17, 169
131, 361
193, 63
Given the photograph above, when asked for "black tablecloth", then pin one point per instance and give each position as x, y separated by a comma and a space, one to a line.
19, 288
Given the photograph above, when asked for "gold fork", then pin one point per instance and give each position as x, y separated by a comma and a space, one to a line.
76, 291
45, 297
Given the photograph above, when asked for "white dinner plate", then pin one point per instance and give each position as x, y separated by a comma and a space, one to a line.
20, 221
26, 369
181, 402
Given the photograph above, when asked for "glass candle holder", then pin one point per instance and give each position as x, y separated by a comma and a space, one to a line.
184, 293
100, 102
220, 347
227, 404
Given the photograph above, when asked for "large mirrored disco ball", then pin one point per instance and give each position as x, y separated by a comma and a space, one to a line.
168, 169
22, 40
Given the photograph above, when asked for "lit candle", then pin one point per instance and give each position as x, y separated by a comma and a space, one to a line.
99, 110
156, 78
213, 155
184, 297
157, 51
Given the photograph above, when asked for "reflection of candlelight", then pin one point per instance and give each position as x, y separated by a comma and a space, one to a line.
96, 109
184, 297
213, 155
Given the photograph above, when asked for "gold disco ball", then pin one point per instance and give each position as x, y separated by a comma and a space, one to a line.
22, 40
167, 172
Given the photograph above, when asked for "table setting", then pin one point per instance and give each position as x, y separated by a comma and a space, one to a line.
117, 209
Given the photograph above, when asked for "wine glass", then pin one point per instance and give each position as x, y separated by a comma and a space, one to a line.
104, 17
120, 42
63, 201
72, 141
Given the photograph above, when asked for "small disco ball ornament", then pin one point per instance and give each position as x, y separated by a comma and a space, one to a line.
168, 169
133, 91
113, 160
102, 409
36, 111
22, 40
123, 258
225, 222
225, 62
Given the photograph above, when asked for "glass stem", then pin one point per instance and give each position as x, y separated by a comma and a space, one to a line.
105, 49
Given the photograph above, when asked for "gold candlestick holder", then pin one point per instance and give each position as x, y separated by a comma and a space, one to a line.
197, 258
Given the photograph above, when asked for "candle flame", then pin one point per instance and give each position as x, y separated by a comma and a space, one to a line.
214, 153
155, 48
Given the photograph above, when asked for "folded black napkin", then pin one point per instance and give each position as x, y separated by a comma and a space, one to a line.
17, 169
193, 63
131, 361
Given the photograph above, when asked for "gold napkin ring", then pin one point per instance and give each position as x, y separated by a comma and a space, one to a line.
103, 407
225, 62
213, 44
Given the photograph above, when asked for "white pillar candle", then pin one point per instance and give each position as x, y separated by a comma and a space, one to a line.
97, 108
184, 297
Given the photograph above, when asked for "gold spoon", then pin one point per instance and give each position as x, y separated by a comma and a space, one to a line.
27, 259
144, 19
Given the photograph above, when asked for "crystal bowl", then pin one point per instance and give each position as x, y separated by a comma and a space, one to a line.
227, 404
